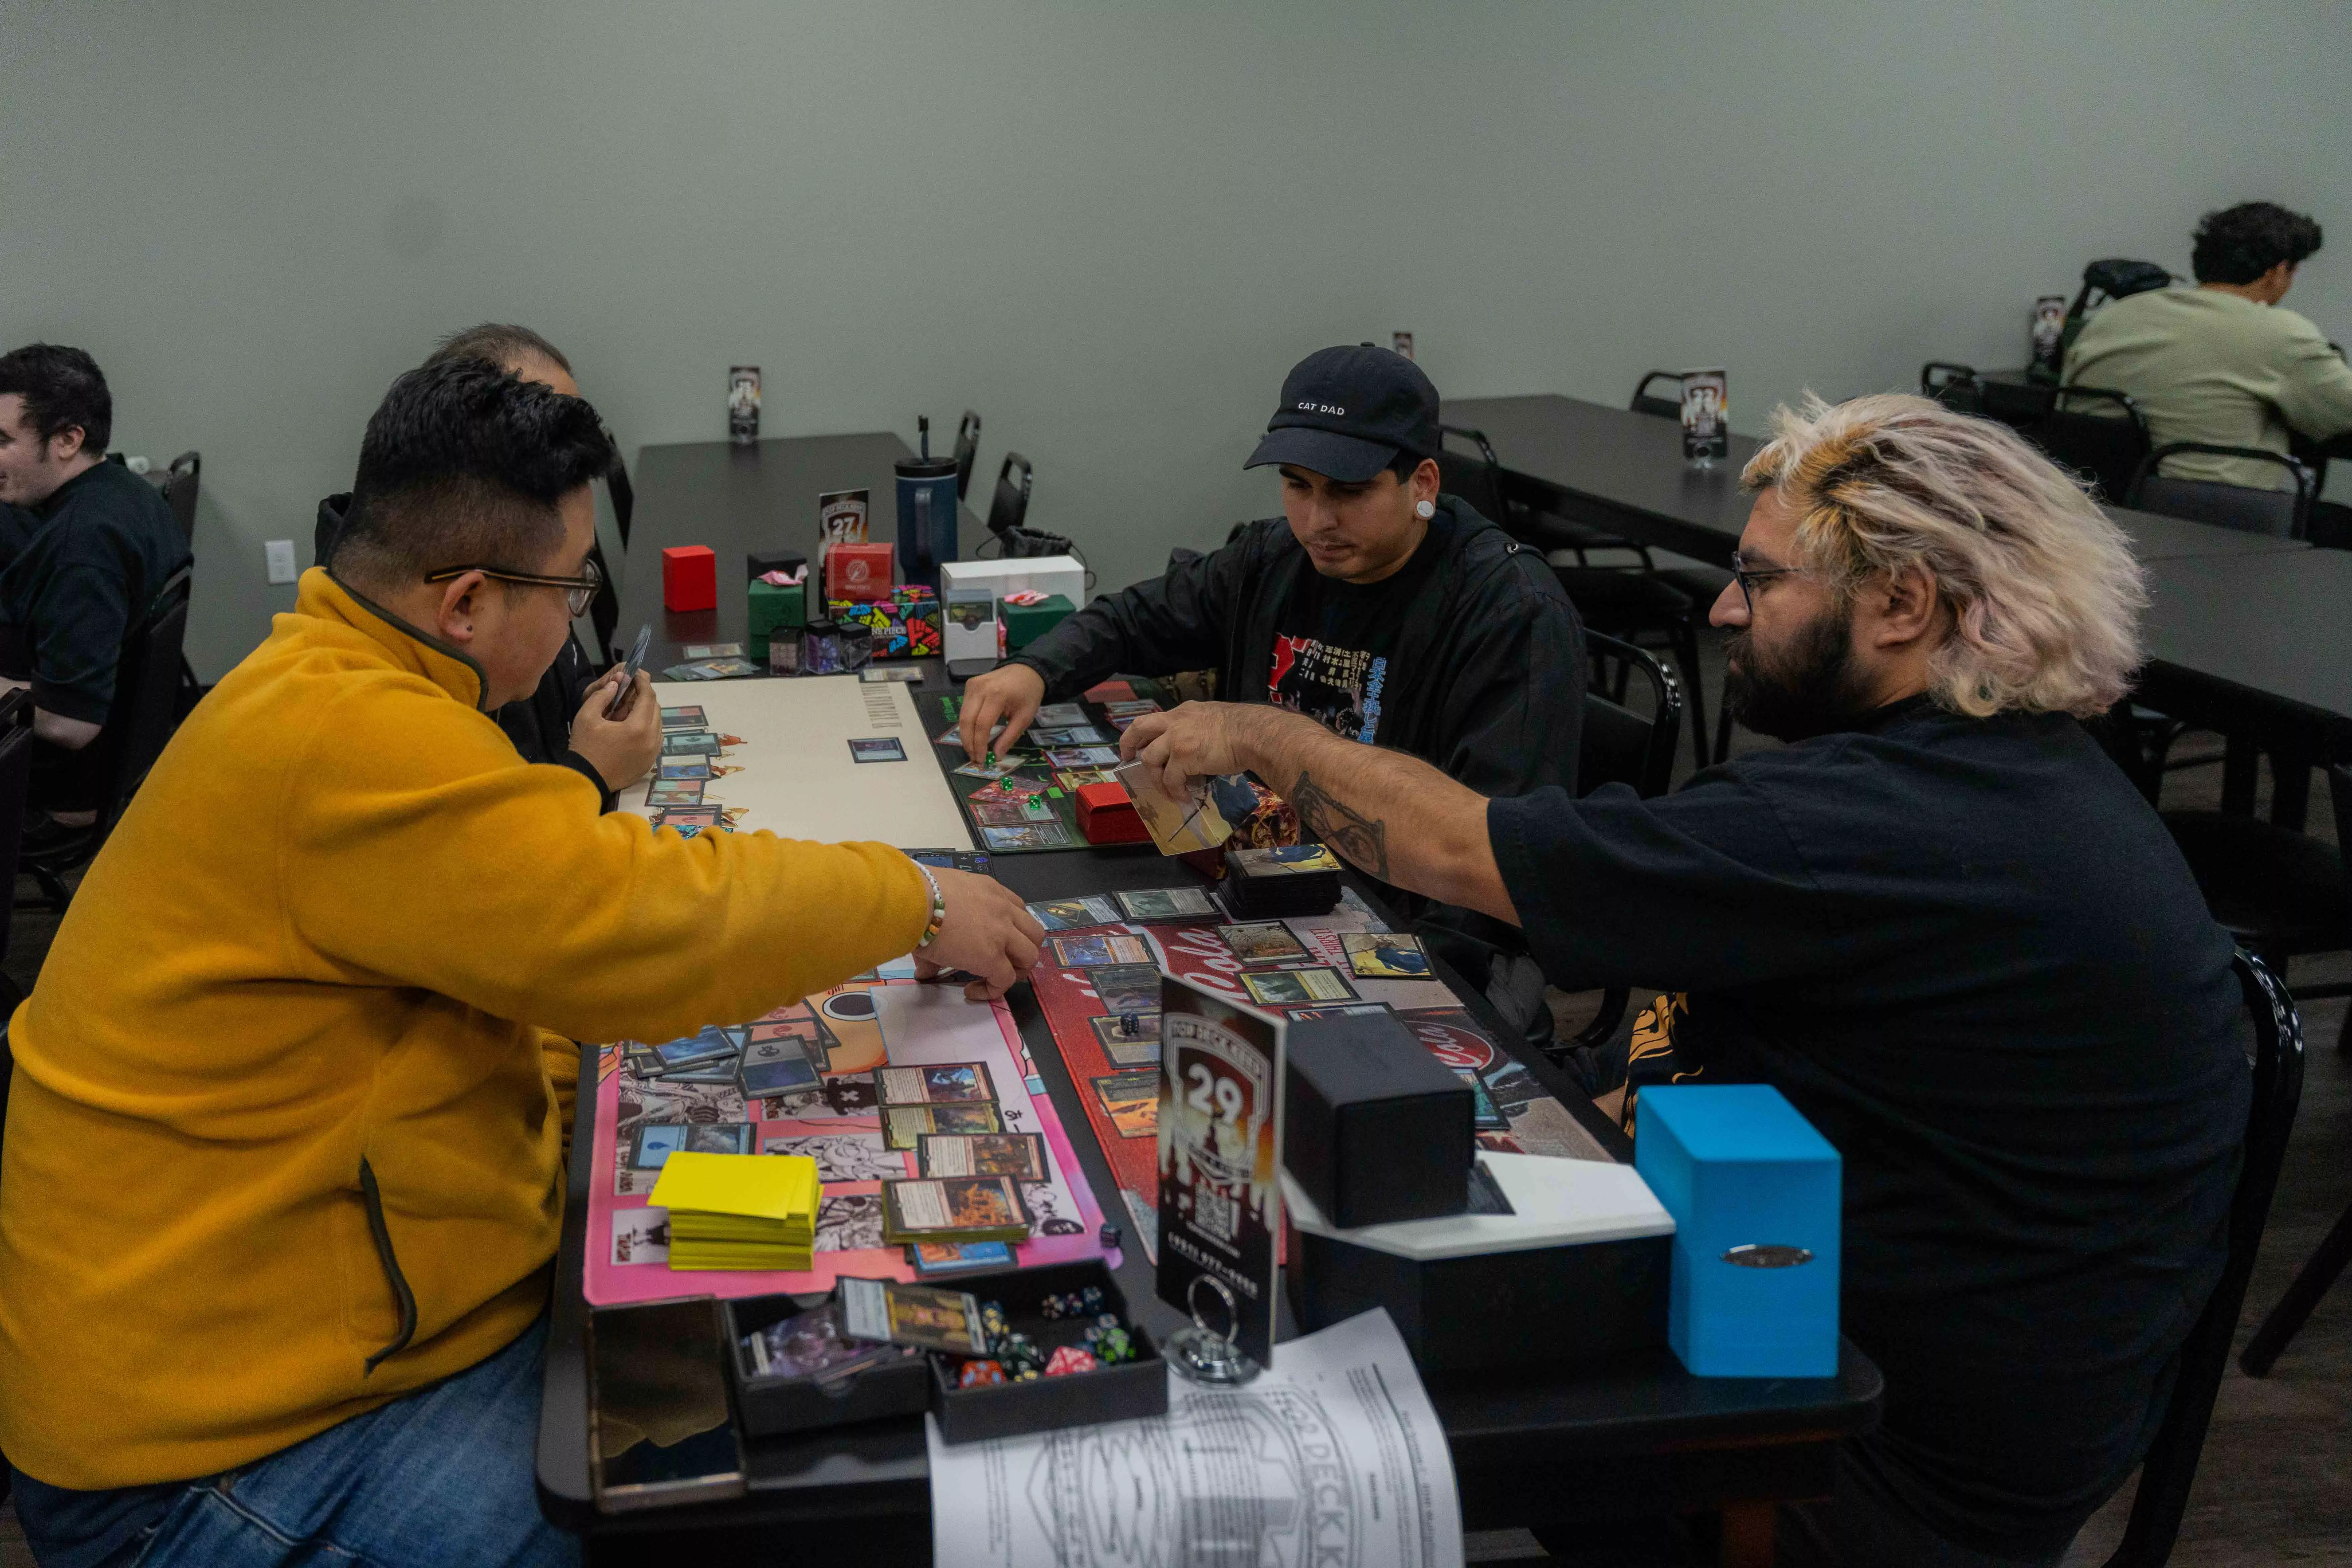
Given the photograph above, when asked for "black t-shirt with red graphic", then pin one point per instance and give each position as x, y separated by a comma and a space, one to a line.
1333, 642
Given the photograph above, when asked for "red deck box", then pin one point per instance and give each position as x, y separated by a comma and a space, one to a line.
690, 578
1106, 815
858, 571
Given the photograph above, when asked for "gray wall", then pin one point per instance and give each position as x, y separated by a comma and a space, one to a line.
1111, 227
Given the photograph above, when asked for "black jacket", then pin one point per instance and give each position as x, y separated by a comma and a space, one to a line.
540, 724
1487, 680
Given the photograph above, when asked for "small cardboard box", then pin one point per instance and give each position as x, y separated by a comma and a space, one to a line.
1024, 624
690, 578
1374, 1130
1755, 1191
1121, 1392
1107, 816
1576, 1272
774, 1404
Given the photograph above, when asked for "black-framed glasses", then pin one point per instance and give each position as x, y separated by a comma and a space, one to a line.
577, 591
1750, 576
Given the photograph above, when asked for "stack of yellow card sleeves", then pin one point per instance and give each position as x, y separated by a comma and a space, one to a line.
738, 1210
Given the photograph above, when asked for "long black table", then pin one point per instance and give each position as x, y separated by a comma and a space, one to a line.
2256, 644
737, 500
1624, 471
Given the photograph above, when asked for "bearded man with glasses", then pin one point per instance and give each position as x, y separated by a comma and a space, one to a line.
1940, 920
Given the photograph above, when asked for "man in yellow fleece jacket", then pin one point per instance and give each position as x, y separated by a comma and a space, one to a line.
282, 1173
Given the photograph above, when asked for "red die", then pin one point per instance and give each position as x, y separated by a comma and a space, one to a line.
1069, 1359
979, 1375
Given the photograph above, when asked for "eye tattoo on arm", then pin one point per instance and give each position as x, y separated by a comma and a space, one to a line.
1344, 829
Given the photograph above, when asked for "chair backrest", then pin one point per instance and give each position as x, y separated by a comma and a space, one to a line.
623, 494
2283, 514
1011, 502
146, 694
2171, 1462
15, 780
967, 450
180, 490
1953, 384
1478, 479
2095, 431
1619, 745
1664, 407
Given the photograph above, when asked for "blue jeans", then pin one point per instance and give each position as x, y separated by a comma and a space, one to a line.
442, 1476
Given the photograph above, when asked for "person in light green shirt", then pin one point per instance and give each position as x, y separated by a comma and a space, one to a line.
2223, 362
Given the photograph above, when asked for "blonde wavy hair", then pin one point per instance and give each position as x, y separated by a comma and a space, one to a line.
2044, 593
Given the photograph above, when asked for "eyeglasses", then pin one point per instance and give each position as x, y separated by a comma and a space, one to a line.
578, 591
1749, 576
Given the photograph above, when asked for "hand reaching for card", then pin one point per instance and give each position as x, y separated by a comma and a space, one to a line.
621, 749
1008, 694
988, 932
1199, 739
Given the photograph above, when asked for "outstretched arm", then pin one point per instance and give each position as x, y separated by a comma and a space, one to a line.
1393, 814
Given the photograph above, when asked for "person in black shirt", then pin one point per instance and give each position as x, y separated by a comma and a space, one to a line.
1387, 612
85, 545
1941, 922
545, 726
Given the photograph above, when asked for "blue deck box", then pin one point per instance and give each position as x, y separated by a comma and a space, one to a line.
1754, 1192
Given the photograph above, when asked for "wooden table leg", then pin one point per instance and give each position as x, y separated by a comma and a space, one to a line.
1747, 1533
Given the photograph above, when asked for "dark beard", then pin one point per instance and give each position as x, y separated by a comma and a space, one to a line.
1813, 689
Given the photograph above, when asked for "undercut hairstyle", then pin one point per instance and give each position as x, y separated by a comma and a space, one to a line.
62, 388
2044, 595
498, 342
462, 465
2238, 244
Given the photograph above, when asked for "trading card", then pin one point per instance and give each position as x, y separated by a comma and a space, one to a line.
878, 749
721, 1138
640, 1236
1125, 987
1262, 942
1135, 710
1011, 787
667, 1099
685, 816
953, 735
712, 650
1284, 858
1121, 721
1038, 808
719, 1071
998, 813
1084, 952
919, 1315
712, 1042
840, 1156
1167, 904
813, 1344
1020, 1155
928, 1206
689, 743
1028, 835
934, 1259
1075, 735
685, 672
1128, 1040
1385, 955
713, 669
949, 859
1071, 779
1081, 756
1131, 1100
903, 1124
1280, 988
934, 1083
781, 1076
676, 792
699, 768
655, 1143
692, 718
1485, 1116
995, 770
1069, 914
1055, 715
1177, 826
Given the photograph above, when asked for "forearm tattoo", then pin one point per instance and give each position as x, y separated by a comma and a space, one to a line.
1346, 831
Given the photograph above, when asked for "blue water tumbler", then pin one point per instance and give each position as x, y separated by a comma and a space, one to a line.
927, 519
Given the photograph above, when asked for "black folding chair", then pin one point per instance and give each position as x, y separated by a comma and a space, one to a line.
967, 450
2281, 513
138, 725
1664, 407
1011, 502
1953, 384
2098, 433
2171, 1461
1621, 745
180, 483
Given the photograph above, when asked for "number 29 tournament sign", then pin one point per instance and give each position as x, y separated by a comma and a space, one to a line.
1221, 1075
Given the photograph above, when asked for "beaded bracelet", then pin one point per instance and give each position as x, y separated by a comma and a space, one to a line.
939, 908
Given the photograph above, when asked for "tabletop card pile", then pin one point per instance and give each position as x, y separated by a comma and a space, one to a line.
1262, 941
953, 1209
1281, 879
1070, 914
1289, 987
933, 1098
1167, 904
1107, 949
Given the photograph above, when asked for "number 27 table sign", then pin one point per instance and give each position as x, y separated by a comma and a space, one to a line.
1221, 1073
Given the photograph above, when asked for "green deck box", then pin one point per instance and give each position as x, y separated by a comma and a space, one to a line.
1024, 624
772, 609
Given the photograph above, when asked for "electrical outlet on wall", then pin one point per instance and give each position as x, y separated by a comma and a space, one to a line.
280, 552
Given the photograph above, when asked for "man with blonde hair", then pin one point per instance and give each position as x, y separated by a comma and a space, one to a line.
1940, 920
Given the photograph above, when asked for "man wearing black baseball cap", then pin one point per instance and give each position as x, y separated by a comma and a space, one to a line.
1385, 611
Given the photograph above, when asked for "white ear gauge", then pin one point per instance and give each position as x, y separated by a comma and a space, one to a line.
1425, 511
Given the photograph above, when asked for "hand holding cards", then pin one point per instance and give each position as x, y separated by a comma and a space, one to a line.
1177, 826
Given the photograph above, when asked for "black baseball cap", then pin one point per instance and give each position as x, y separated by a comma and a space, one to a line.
1346, 413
